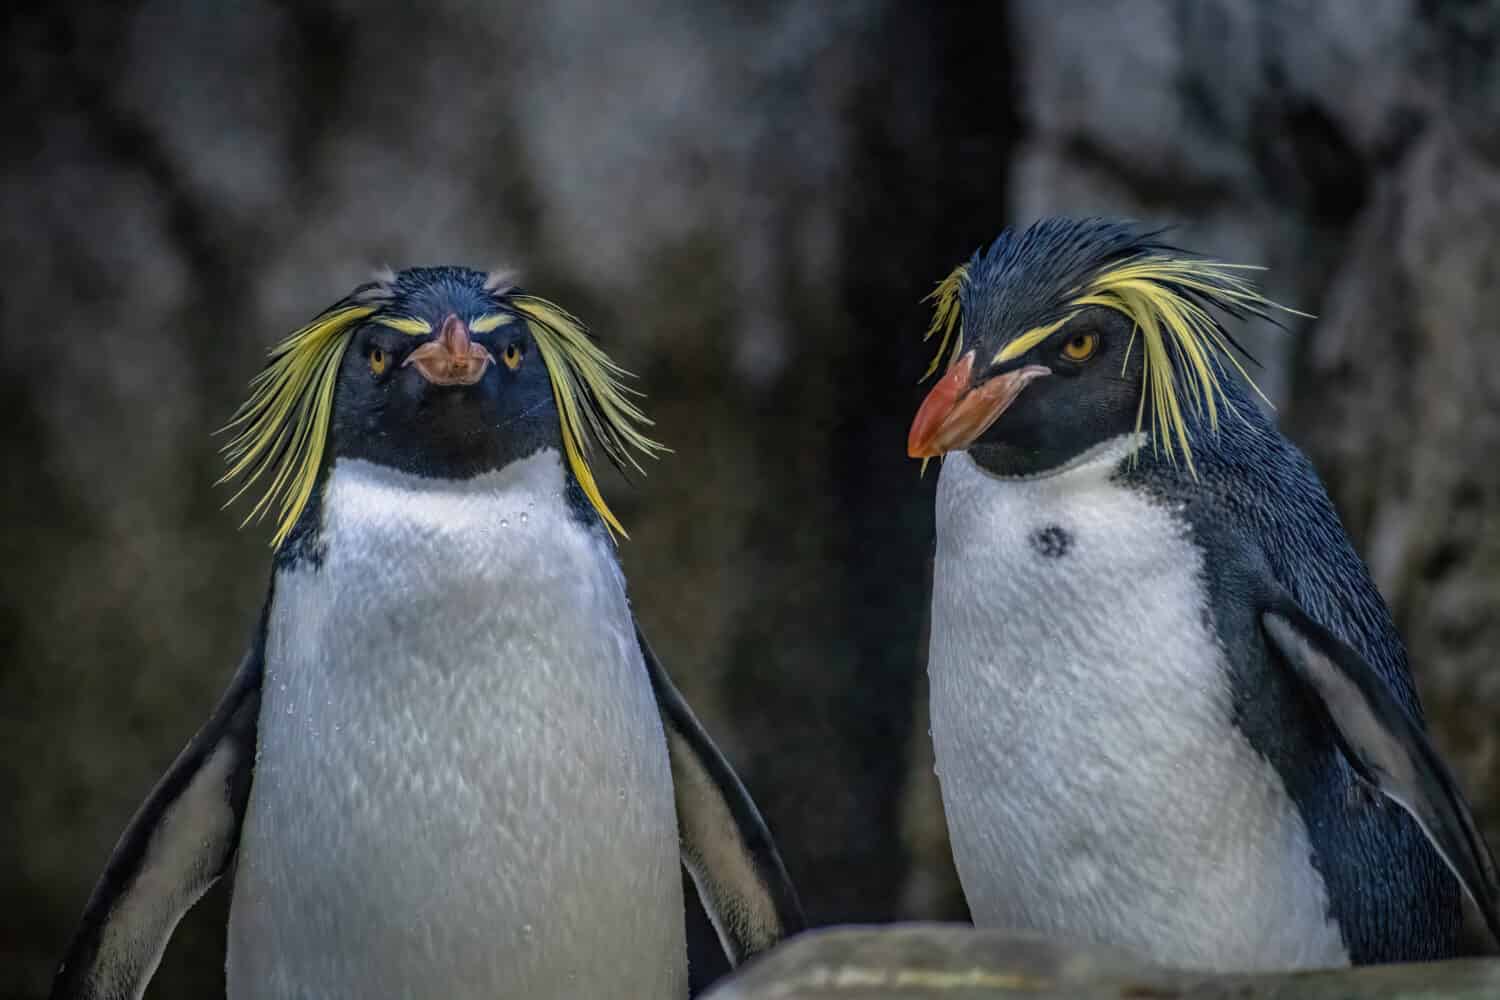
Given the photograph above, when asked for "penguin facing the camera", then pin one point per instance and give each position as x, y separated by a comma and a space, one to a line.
449, 764
1170, 711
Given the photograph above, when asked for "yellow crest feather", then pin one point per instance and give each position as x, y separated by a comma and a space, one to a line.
592, 401
282, 429
494, 321
1029, 339
1184, 346
410, 325
945, 317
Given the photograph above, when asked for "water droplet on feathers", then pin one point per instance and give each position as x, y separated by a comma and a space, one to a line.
523, 517
504, 523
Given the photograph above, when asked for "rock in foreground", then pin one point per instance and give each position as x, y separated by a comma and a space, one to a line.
957, 962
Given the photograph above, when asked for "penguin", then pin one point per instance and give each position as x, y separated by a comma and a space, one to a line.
1170, 712
449, 764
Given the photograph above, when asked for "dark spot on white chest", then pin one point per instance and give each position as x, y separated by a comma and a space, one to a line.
1052, 542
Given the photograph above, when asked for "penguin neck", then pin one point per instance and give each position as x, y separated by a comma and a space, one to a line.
501, 517
358, 487
1091, 467
541, 477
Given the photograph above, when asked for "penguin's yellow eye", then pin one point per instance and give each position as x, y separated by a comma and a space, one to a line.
512, 356
1080, 347
377, 360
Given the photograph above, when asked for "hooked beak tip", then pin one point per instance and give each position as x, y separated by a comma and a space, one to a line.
926, 427
921, 446
924, 438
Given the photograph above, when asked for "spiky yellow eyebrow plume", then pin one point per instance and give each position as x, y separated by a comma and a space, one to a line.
945, 316
282, 429
1185, 347
592, 401
493, 321
1167, 299
406, 324
1032, 337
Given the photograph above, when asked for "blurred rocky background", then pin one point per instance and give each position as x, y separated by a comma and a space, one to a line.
748, 204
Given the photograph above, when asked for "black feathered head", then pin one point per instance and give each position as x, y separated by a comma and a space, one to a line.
1131, 324
442, 371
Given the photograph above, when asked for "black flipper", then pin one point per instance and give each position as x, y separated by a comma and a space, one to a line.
177, 845
726, 847
1387, 748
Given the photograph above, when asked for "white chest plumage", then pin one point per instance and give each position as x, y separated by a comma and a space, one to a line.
1094, 783
462, 787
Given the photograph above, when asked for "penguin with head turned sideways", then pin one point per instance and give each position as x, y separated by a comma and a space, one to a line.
449, 764
1170, 711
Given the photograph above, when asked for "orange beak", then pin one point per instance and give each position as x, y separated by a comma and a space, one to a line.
955, 413
451, 359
